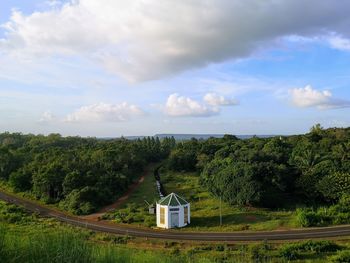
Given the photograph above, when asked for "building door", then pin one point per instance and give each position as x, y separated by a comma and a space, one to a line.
174, 219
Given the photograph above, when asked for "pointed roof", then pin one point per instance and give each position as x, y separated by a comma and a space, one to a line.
172, 200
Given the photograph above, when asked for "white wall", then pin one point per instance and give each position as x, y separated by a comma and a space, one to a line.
167, 223
166, 219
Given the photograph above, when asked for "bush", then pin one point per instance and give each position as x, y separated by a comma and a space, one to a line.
260, 252
121, 239
220, 247
340, 212
341, 257
289, 252
150, 221
292, 251
335, 214
81, 202
319, 246
309, 218
13, 214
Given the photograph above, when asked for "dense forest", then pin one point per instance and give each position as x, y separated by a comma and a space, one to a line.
83, 174
313, 168
80, 174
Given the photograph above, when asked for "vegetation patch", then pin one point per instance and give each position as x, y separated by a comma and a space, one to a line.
46, 240
78, 174
336, 214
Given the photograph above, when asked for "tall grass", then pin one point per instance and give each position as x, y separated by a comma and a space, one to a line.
33, 244
2, 241
42, 248
66, 246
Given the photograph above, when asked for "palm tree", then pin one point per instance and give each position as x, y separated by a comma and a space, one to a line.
342, 151
308, 159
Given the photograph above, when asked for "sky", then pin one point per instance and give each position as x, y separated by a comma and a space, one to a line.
108, 68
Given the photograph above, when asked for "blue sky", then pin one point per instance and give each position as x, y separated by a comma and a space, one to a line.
111, 68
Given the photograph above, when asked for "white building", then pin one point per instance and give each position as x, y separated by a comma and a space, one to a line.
173, 211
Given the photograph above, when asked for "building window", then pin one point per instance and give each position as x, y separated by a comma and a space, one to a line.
185, 214
162, 215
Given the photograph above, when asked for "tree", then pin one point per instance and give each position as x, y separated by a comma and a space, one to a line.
334, 186
184, 158
342, 152
73, 180
8, 163
21, 180
232, 181
316, 132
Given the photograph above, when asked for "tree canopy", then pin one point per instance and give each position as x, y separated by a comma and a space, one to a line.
81, 174
269, 172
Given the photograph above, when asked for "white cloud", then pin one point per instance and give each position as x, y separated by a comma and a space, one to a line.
102, 112
214, 99
46, 117
149, 39
339, 42
310, 97
180, 106
53, 3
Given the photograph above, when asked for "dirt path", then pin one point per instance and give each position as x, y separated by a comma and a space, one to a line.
96, 216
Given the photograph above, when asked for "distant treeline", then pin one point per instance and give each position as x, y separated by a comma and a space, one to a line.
313, 168
81, 174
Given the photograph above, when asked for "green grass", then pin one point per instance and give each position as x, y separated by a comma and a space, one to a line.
68, 246
32, 239
205, 209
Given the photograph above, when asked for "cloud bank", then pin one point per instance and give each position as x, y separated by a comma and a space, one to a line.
310, 97
181, 106
102, 112
47, 117
214, 99
148, 39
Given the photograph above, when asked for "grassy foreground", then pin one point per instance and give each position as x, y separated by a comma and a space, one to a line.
28, 238
66, 246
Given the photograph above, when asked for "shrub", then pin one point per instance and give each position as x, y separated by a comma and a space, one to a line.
121, 239
335, 214
318, 246
340, 212
260, 252
289, 252
341, 218
292, 251
78, 201
220, 247
341, 257
150, 221
13, 214
309, 218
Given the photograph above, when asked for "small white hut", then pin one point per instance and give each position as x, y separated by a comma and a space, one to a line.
173, 211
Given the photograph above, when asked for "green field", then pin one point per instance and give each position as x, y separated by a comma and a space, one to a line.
205, 209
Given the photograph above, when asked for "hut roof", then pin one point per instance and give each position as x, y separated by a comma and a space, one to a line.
172, 200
